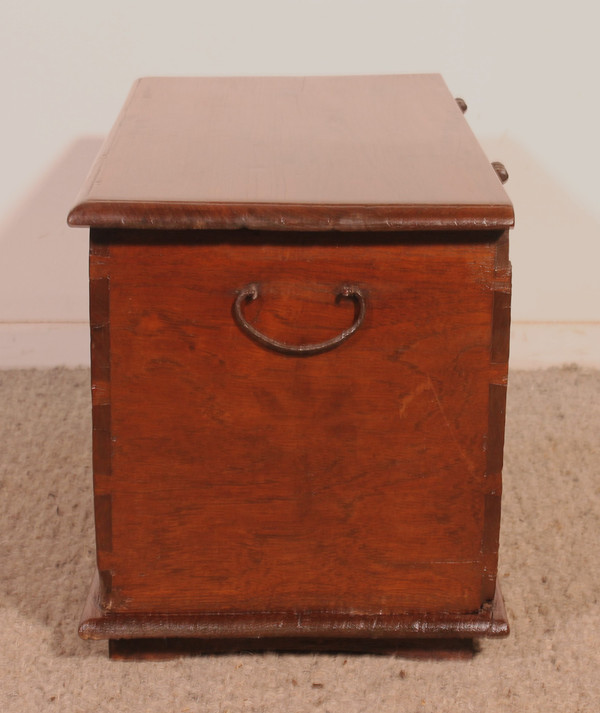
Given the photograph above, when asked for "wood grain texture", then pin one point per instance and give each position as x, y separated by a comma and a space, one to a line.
285, 630
292, 153
101, 407
248, 480
496, 414
245, 494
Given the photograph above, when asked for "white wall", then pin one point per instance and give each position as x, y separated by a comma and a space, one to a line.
528, 71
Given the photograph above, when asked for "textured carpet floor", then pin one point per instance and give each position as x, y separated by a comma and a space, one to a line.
550, 573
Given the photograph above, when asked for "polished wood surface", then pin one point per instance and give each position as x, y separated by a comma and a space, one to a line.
238, 478
318, 631
291, 153
247, 492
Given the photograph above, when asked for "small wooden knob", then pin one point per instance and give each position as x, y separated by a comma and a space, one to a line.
462, 104
501, 171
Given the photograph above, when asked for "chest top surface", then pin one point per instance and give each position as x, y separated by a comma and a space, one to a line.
292, 153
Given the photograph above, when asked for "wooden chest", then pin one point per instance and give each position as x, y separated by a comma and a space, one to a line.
300, 306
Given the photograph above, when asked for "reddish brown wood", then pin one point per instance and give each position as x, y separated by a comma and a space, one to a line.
101, 412
295, 217
293, 153
276, 524
103, 511
291, 630
247, 494
496, 416
501, 309
495, 440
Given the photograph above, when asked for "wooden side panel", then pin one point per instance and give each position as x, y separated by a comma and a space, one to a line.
101, 405
495, 442
246, 480
499, 354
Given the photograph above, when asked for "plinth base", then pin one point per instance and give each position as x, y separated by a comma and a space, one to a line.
161, 649
154, 635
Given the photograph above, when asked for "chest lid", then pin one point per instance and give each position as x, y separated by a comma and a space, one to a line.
292, 153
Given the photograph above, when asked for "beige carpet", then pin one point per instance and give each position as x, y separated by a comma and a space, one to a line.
550, 573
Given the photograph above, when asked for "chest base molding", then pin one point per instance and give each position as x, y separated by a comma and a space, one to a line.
142, 635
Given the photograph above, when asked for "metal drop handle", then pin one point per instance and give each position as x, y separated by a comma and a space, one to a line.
251, 292
501, 171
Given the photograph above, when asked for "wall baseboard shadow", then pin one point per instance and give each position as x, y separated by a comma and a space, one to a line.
42, 345
538, 345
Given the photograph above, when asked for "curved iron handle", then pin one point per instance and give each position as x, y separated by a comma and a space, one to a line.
251, 292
